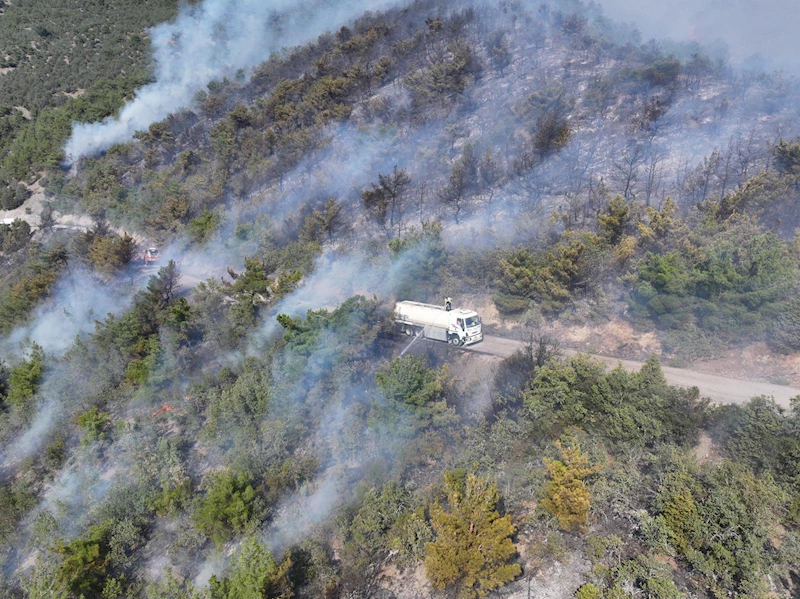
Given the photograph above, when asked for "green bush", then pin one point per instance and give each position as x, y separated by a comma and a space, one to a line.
588, 591
32, 282
787, 157
414, 395
626, 408
549, 278
662, 73
759, 435
253, 573
16, 499
553, 133
566, 495
12, 197
106, 252
203, 226
643, 575
409, 381
229, 506
445, 78
25, 377
14, 236
424, 256
720, 518
93, 422
85, 562
784, 327
372, 531
730, 284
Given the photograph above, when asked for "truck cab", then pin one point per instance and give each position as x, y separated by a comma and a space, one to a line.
466, 329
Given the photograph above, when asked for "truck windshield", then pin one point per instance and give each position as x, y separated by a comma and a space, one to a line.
473, 321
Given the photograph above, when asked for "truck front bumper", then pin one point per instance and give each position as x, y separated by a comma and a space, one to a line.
473, 339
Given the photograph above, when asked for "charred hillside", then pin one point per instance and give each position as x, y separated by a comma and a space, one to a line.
561, 100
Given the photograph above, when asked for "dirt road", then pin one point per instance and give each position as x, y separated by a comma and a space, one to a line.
719, 389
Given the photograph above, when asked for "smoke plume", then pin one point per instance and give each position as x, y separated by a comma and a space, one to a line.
760, 33
78, 301
209, 42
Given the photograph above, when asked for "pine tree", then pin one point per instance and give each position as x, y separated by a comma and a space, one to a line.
566, 495
473, 545
254, 574
614, 220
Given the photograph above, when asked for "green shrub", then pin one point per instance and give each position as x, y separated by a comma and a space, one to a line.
85, 562
14, 236
730, 284
550, 278
759, 435
93, 422
784, 328
643, 575
553, 133
253, 573
202, 227
16, 499
229, 506
625, 408
374, 528
588, 591
13, 197
445, 79
33, 282
720, 519
566, 496
414, 396
25, 377
787, 157
662, 73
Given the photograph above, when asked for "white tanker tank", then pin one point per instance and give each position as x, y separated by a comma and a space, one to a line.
457, 326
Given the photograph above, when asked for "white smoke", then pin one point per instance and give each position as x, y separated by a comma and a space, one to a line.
209, 42
302, 511
763, 31
78, 301
212, 566
32, 439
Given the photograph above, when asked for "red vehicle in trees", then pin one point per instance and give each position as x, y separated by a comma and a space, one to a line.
150, 256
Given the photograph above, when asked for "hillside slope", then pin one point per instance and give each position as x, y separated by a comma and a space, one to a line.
255, 433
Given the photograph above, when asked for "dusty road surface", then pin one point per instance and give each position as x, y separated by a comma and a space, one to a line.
719, 389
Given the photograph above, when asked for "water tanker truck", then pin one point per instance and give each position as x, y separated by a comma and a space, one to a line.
456, 326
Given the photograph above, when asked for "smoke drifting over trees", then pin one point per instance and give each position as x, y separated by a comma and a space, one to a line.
757, 34
243, 418
209, 41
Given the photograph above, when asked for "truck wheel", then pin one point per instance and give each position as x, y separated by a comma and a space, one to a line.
455, 341
408, 331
